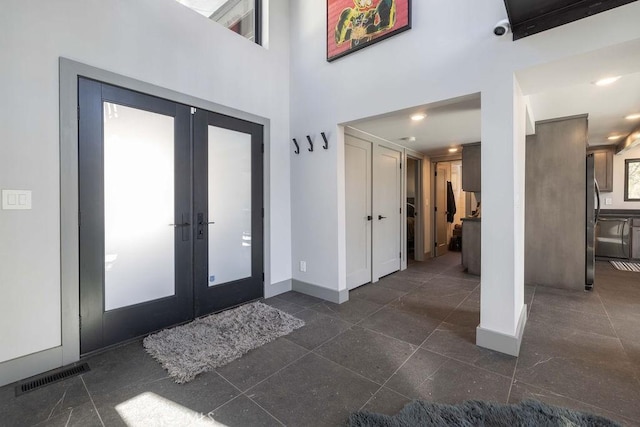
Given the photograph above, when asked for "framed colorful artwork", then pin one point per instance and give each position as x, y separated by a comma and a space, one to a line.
355, 24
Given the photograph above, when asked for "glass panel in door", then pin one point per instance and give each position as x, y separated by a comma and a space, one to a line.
138, 206
230, 210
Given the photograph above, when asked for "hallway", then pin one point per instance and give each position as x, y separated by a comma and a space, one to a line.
409, 336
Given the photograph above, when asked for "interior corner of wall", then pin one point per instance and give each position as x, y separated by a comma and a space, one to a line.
531, 121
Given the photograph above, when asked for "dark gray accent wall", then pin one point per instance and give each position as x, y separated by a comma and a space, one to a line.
555, 203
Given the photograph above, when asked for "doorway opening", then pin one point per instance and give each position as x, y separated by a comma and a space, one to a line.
424, 135
414, 227
450, 206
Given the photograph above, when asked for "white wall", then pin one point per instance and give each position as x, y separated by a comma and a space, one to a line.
617, 195
156, 41
450, 51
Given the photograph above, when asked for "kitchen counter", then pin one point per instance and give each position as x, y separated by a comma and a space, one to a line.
471, 244
471, 218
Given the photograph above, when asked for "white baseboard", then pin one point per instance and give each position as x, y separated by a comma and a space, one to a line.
508, 344
277, 288
327, 294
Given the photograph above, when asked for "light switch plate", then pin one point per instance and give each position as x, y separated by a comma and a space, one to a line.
16, 199
608, 201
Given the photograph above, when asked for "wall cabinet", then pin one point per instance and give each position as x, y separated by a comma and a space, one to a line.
471, 167
603, 160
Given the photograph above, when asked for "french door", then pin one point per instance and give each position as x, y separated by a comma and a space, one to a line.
170, 213
228, 210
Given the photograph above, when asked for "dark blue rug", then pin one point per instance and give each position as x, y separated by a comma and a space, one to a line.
473, 413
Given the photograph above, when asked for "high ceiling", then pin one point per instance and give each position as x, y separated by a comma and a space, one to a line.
560, 89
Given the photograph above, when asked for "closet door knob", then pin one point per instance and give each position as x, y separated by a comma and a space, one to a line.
381, 217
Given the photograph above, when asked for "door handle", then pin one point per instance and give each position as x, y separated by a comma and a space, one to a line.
381, 217
369, 218
184, 225
201, 224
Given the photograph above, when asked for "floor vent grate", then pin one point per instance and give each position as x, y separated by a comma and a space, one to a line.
50, 378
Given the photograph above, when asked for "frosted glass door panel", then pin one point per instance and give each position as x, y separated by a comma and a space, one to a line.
229, 179
138, 206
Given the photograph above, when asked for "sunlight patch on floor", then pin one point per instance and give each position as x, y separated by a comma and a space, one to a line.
149, 409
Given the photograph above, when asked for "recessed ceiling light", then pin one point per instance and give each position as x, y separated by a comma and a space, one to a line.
408, 138
418, 117
607, 81
633, 116
453, 150
614, 137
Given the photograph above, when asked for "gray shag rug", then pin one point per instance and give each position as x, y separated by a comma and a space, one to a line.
213, 341
529, 413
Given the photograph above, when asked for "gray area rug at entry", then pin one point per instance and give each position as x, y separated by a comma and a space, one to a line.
213, 341
472, 413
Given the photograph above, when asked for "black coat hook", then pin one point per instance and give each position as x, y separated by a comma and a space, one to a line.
326, 143
297, 146
310, 143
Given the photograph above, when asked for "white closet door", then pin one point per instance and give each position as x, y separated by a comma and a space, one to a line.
358, 207
387, 217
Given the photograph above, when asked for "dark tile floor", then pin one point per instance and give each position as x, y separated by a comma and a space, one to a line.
409, 336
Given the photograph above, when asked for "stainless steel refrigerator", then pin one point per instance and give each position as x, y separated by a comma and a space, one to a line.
593, 212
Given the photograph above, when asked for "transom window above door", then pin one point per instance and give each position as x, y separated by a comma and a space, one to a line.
240, 16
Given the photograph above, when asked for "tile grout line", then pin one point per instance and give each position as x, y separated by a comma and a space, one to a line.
69, 419
515, 368
92, 402
471, 365
615, 331
418, 347
313, 351
444, 355
261, 407
241, 394
416, 350
344, 367
275, 373
576, 400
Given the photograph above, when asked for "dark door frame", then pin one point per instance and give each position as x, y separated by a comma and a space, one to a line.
219, 297
98, 328
68, 350
193, 297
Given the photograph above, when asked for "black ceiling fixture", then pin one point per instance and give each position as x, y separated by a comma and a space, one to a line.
528, 17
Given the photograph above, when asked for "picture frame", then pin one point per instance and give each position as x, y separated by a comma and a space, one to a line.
355, 24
